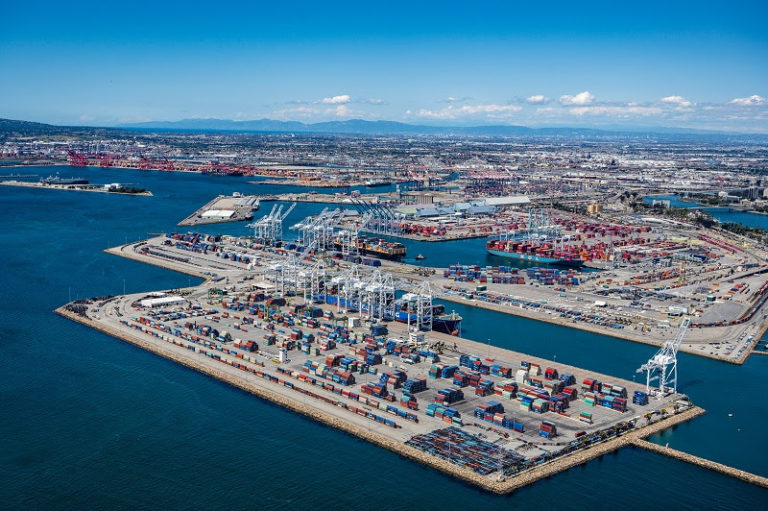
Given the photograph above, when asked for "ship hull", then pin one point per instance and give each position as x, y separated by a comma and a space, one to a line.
447, 324
374, 253
574, 263
382, 255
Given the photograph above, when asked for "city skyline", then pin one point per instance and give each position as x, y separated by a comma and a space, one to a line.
688, 65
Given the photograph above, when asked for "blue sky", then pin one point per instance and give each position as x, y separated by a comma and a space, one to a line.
696, 64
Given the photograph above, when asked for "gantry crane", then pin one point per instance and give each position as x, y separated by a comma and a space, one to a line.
663, 365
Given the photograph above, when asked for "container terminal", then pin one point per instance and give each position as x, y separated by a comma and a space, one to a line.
322, 326
652, 272
492, 414
320, 336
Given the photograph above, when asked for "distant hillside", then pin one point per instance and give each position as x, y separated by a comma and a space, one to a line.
362, 127
14, 128
352, 126
26, 128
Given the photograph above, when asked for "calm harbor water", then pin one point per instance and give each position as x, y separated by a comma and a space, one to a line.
89, 422
723, 214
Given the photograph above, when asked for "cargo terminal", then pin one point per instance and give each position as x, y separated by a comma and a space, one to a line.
482, 413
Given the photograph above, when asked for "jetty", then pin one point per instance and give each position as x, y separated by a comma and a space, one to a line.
224, 208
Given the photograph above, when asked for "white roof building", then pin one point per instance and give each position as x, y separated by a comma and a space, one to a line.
511, 200
160, 302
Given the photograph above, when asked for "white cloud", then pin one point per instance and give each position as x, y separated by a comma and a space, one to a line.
86, 118
375, 101
340, 111
452, 99
303, 112
537, 99
337, 100
677, 100
616, 111
753, 100
490, 111
582, 98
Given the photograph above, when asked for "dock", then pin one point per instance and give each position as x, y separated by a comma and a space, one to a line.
311, 197
224, 208
321, 183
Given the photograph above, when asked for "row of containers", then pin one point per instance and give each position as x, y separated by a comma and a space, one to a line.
354, 396
492, 274
205, 248
604, 394
464, 449
507, 275
493, 412
545, 389
445, 413
237, 362
552, 276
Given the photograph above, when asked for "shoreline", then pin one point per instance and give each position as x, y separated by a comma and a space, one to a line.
516, 311
120, 252
503, 486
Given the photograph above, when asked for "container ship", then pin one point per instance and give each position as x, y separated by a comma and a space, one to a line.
441, 322
58, 180
535, 252
376, 247
376, 182
540, 242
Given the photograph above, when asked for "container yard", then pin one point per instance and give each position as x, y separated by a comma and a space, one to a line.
492, 414
720, 284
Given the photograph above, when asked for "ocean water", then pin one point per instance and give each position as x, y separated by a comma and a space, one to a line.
90, 422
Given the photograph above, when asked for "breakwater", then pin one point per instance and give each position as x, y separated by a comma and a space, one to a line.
704, 463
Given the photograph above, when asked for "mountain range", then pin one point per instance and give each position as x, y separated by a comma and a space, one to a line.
360, 126
363, 127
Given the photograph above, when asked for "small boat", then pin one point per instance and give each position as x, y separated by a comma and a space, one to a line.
420, 257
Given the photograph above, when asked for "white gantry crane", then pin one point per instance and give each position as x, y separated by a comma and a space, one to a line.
270, 227
663, 365
317, 231
285, 276
419, 303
